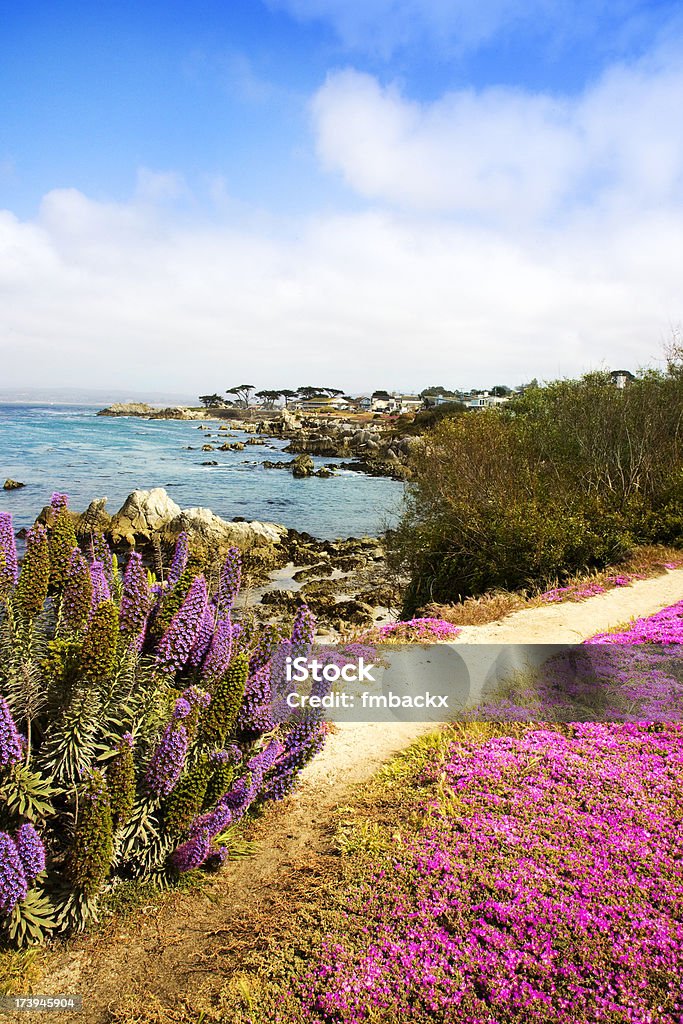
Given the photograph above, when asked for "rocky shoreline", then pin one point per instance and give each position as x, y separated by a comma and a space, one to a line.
373, 446
345, 581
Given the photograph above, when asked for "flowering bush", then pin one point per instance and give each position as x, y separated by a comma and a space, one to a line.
427, 629
137, 723
543, 886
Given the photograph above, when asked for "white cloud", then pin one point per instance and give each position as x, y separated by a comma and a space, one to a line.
126, 296
505, 236
505, 154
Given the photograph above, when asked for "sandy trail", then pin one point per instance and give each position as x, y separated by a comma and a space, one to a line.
176, 948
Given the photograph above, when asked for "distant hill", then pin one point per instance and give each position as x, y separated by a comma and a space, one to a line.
93, 396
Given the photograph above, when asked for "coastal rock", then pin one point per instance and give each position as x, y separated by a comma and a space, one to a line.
209, 535
146, 411
95, 519
303, 466
12, 485
142, 514
128, 409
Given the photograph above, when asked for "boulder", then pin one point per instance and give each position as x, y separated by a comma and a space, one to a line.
302, 466
12, 485
209, 535
95, 519
142, 514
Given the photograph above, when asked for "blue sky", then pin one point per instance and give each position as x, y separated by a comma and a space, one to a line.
395, 192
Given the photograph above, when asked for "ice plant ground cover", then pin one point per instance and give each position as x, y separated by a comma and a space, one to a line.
425, 629
137, 723
527, 874
531, 878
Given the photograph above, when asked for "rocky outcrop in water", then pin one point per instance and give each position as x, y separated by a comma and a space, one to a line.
12, 485
374, 448
150, 412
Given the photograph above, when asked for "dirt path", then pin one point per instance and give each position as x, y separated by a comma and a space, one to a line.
172, 950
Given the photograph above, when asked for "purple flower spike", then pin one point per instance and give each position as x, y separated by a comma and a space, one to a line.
13, 884
204, 637
220, 652
229, 582
31, 851
193, 853
77, 597
179, 563
9, 568
177, 642
168, 760
11, 745
58, 501
100, 585
136, 600
303, 627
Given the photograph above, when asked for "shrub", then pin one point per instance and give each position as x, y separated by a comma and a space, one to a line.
123, 748
566, 479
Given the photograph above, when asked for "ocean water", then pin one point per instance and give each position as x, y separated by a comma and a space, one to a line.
71, 449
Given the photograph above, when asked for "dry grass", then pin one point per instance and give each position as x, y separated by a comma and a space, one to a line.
20, 970
644, 563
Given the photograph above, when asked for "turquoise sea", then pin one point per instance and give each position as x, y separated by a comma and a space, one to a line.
71, 449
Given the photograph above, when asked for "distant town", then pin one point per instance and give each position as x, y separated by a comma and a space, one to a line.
319, 400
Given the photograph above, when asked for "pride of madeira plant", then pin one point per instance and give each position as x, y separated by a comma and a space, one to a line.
137, 723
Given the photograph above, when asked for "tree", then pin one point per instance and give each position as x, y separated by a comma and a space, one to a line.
211, 401
308, 393
501, 391
269, 397
243, 392
434, 391
564, 479
287, 395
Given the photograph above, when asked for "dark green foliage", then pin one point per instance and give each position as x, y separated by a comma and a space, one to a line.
171, 603
69, 747
89, 859
31, 590
427, 419
61, 543
219, 718
566, 479
99, 653
25, 794
187, 799
222, 774
32, 920
121, 783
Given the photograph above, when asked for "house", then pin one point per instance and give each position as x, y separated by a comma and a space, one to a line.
322, 403
483, 400
621, 377
409, 403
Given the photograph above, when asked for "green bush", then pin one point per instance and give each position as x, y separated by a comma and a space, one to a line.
565, 479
